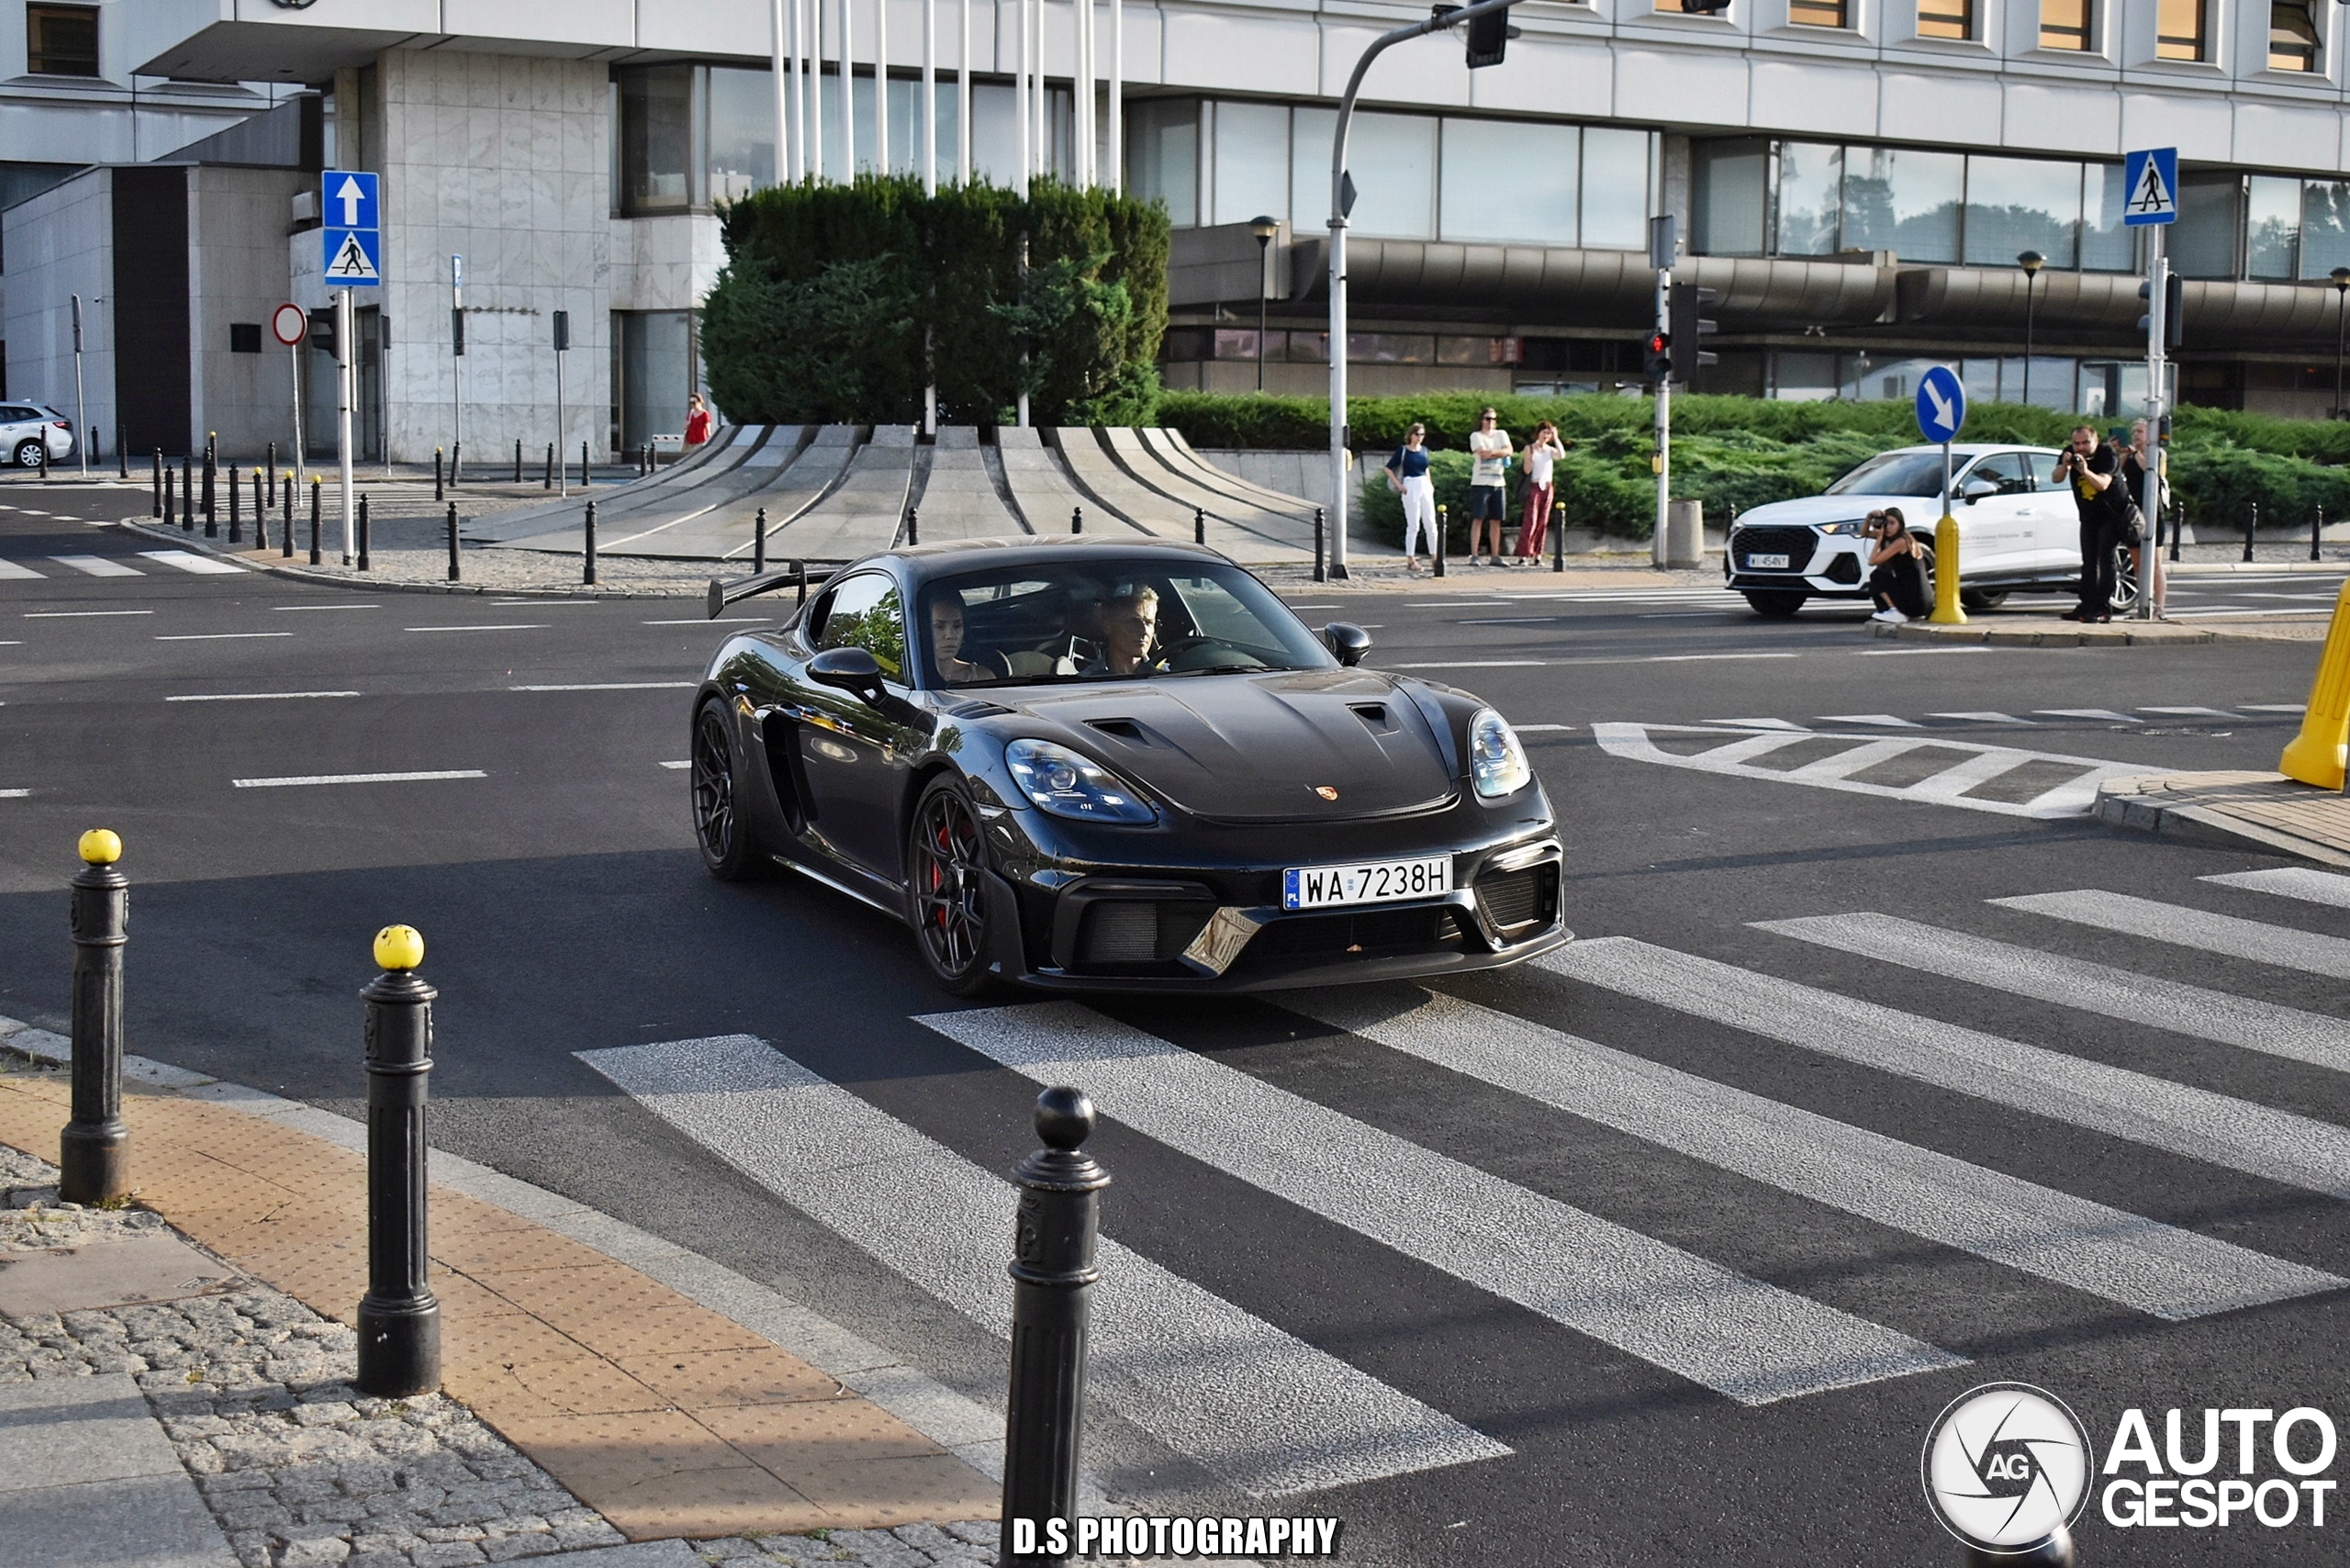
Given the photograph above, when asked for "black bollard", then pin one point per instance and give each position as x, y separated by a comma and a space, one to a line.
187, 494
759, 545
236, 523
270, 468
1199, 526
583, 465
1441, 523
2251, 521
44, 458
456, 463
1053, 1274
548, 483
285, 517
261, 515
587, 561
1077, 520
914, 525
211, 499
314, 483
452, 542
93, 1151
518, 459
2177, 527
363, 533
121, 455
439, 491
2317, 534
1320, 575
400, 1323
159, 482
1558, 536
799, 577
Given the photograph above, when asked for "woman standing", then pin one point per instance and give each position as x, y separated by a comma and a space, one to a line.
2139, 467
1407, 474
1540, 453
697, 421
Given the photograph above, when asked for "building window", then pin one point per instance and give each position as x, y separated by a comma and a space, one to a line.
2292, 36
1811, 197
1252, 161
2325, 226
61, 41
656, 140
1945, 19
1163, 156
2014, 204
2065, 24
2204, 241
1506, 181
2272, 227
658, 371
1819, 13
2180, 30
1731, 198
742, 133
1904, 201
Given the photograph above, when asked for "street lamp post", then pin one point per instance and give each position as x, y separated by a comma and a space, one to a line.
2341, 276
2030, 261
1342, 201
1264, 228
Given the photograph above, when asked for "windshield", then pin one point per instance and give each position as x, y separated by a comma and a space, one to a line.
1106, 619
1892, 474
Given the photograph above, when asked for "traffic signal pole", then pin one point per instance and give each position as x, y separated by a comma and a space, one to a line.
2158, 327
1341, 204
1663, 464
343, 398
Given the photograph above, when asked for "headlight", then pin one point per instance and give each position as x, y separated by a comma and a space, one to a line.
1854, 527
1061, 781
1496, 761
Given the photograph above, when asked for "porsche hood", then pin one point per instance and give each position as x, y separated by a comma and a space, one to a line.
1305, 746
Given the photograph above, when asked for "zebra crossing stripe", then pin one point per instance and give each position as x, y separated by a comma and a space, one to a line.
2089, 1247
97, 566
2289, 881
2170, 1004
1983, 716
1739, 1337
2218, 1129
1258, 1407
1882, 720
12, 571
188, 561
2225, 934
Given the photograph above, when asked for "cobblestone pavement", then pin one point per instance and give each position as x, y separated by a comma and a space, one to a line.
254, 1391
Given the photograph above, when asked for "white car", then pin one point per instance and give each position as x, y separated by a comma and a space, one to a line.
26, 427
2017, 528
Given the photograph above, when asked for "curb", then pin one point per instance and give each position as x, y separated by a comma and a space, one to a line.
2138, 803
2051, 633
303, 574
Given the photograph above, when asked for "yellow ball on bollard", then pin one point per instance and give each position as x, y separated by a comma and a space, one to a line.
400, 947
101, 847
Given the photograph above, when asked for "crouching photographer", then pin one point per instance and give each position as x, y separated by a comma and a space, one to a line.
1896, 568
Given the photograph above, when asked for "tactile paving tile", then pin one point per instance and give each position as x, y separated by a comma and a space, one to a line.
702, 1380
877, 1494
815, 1432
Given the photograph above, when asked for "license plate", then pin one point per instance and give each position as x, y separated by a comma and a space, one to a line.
1373, 881
1767, 562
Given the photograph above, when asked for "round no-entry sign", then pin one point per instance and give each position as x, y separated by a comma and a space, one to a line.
289, 322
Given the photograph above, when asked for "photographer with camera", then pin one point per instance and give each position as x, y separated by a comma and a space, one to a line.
1896, 568
2094, 473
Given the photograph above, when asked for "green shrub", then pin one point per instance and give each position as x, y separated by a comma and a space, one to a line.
837, 303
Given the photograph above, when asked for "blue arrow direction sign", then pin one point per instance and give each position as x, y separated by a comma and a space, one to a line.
347, 200
351, 257
1942, 403
2151, 178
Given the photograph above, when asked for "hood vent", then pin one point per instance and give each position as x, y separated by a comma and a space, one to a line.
1125, 729
1374, 715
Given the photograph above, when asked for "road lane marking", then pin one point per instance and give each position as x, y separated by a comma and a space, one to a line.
1538, 729
2122, 1257
358, 779
2106, 715
15, 572
2291, 882
2197, 1124
1749, 1341
726, 620
97, 566
1258, 1407
188, 561
78, 614
549, 603
1479, 664
216, 636
614, 686
525, 626
252, 696
1708, 658
1883, 721
2193, 712
284, 607
2274, 707
2108, 992
1985, 716
1759, 724
2223, 933
13, 794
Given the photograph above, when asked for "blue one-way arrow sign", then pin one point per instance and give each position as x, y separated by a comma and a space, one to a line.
351, 238
1942, 403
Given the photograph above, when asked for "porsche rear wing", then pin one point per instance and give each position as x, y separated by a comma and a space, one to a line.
795, 574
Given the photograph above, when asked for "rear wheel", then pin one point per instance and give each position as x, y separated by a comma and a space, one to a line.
728, 852
2125, 580
1983, 599
1776, 603
28, 453
947, 887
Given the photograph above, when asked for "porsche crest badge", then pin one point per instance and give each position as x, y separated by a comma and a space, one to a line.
1325, 791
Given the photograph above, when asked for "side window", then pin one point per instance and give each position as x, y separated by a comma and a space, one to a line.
2007, 470
2043, 470
866, 613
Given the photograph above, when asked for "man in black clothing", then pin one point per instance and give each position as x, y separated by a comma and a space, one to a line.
2103, 500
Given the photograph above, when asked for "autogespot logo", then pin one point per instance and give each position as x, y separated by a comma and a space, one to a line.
2005, 1464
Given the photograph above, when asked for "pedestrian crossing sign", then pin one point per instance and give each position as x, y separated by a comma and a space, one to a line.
2150, 178
350, 257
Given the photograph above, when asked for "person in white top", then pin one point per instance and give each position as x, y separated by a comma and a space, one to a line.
1489, 446
1544, 450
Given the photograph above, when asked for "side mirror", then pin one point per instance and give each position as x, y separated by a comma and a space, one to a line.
1348, 642
852, 670
1975, 490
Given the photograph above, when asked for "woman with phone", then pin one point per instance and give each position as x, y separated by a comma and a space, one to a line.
1896, 568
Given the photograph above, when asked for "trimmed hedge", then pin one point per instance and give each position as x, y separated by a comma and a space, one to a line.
1740, 452
838, 302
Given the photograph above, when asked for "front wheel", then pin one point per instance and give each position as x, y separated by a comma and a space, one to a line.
728, 852
2125, 579
28, 454
1776, 603
947, 887
1983, 599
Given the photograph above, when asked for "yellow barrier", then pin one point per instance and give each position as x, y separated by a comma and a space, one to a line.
2316, 756
1946, 610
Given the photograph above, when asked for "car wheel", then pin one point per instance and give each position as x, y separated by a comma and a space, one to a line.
1776, 603
28, 454
728, 852
945, 890
1983, 599
2125, 580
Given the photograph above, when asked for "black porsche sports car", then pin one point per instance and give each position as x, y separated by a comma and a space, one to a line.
1104, 766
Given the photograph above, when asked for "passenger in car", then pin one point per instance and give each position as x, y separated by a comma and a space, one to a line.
946, 646
1896, 567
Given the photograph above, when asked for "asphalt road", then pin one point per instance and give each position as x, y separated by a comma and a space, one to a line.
548, 861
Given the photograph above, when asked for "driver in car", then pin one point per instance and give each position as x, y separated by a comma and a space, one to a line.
1129, 623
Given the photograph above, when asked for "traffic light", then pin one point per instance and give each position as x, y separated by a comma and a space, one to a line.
1687, 338
1656, 362
2174, 311
1489, 35
321, 335
1703, 7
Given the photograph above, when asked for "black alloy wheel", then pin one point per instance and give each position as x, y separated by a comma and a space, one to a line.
945, 888
2125, 580
727, 852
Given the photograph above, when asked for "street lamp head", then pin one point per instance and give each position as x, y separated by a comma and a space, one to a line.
2031, 262
2341, 276
1264, 228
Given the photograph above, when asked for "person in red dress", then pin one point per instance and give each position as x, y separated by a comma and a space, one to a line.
697, 421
